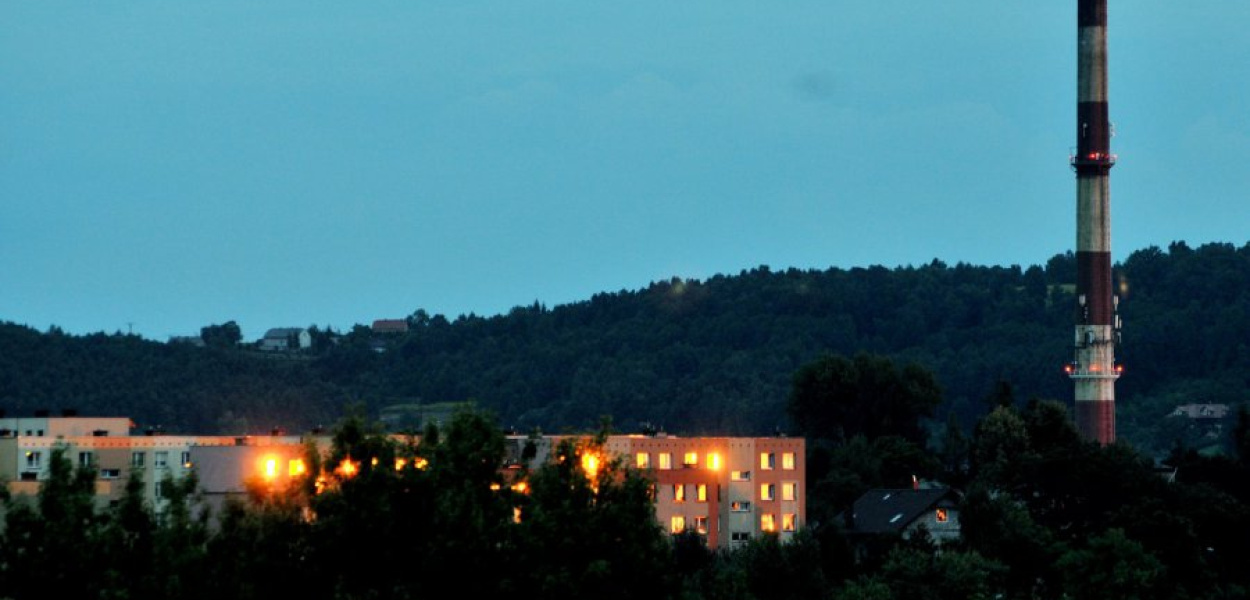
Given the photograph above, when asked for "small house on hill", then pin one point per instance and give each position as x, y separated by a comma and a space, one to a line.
904, 512
281, 339
390, 326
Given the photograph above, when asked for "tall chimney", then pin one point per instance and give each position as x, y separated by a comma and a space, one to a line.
1097, 325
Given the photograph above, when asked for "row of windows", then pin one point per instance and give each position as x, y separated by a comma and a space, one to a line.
87, 460
690, 460
768, 492
768, 523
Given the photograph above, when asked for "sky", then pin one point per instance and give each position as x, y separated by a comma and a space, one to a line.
170, 165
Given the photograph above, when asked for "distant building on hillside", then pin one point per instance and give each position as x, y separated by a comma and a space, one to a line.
193, 340
282, 339
1201, 412
390, 326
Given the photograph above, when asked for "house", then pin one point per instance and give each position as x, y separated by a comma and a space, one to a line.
286, 338
390, 326
904, 512
1201, 412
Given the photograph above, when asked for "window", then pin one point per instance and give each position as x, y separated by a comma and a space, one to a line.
740, 506
787, 461
789, 522
700, 525
136, 460
85, 460
713, 461
296, 467
160, 460
160, 489
768, 522
666, 461
790, 491
34, 459
110, 473
690, 460
677, 524
642, 460
768, 491
701, 493
740, 476
185, 459
739, 536
941, 515
679, 493
768, 460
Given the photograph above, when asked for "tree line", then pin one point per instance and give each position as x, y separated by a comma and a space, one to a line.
1044, 515
691, 356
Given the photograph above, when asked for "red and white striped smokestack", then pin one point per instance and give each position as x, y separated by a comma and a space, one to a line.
1097, 324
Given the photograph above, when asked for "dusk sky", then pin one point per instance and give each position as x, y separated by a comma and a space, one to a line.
168, 165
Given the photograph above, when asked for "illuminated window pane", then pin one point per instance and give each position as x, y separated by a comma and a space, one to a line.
941, 515
787, 461
295, 467
701, 493
740, 506
713, 461
768, 460
666, 461
740, 476
789, 491
768, 522
691, 459
788, 522
677, 524
700, 525
768, 491
642, 460
679, 493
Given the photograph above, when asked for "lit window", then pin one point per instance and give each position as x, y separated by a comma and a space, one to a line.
788, 522
160, 460
271, 468
789, 491
666, 461
701, 493
136, 460
941, 515
677, 524
295, 467
690, 460
700, 525
713, 461
185, 459
740, 476
679, 493
34, 460
787, 461
768, 460
740, 506
85, 460
642, 460
768, 522
768, 491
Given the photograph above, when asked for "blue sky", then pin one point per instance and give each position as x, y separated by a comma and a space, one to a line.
166, 165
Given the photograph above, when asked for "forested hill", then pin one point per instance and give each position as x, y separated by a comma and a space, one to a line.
689, 356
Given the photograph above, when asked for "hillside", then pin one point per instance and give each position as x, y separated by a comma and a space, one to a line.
689, 356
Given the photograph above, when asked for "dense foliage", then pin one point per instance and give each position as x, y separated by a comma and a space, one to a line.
712, 356
1046, 516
